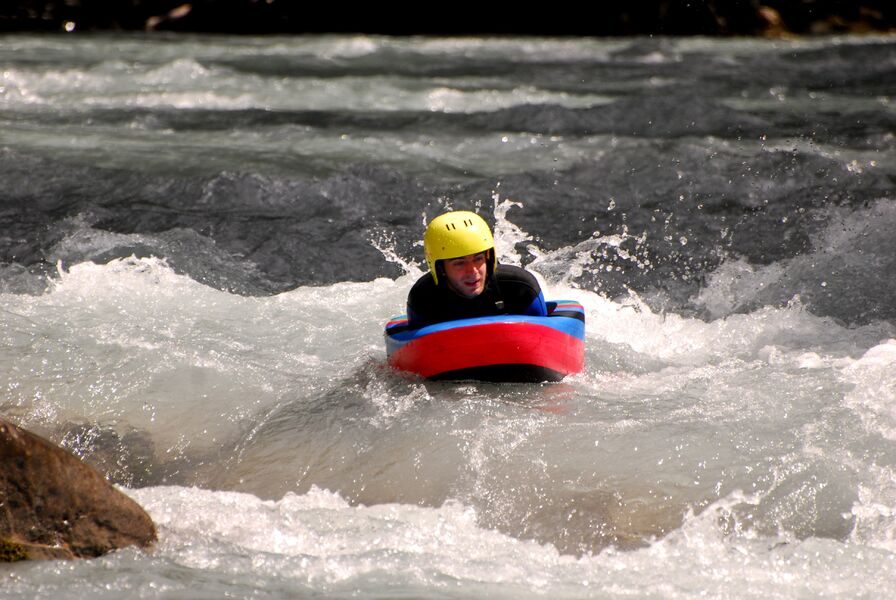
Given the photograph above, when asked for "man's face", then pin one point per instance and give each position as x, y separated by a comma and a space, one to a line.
467, 274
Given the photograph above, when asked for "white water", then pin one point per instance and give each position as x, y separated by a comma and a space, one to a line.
778, 413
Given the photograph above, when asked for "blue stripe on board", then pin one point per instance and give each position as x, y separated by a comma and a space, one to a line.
567, 325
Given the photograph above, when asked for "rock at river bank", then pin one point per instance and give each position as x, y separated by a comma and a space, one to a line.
52, 505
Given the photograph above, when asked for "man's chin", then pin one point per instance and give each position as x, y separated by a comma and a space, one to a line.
468, 292
474, 291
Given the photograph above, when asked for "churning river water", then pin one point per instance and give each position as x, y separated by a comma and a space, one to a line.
201, 239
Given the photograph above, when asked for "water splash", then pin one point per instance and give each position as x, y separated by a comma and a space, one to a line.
594, 258
508, 236
385, 242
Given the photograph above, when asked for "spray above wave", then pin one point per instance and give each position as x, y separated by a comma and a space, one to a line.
255, 234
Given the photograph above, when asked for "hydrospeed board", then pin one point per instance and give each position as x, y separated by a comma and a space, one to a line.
495, 348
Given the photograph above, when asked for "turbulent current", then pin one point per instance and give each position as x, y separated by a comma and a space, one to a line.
201, 239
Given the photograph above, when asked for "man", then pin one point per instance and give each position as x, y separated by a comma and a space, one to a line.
465, 279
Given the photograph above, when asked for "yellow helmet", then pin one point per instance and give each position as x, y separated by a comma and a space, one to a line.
456, 234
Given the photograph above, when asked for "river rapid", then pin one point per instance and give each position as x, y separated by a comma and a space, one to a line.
202, 237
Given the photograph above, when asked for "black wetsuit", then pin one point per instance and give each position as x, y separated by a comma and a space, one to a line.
509, 290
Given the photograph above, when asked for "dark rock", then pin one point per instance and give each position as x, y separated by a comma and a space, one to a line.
612, 17
52, 505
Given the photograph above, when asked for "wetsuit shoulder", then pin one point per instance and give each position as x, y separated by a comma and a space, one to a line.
516, 275
424, 302
520, 291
